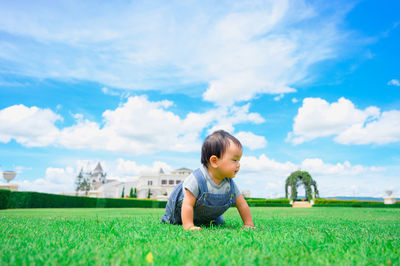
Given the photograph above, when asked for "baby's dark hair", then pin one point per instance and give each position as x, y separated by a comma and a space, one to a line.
216, 144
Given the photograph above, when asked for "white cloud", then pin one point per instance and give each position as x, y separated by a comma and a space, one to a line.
394, 82
266, 166
369, 184
251, 56
251, 140
136, 126
57, 180
279, 97
111, 92
240, 50
384, 130
142, 126
122, 169
294, 100
318, 167
227, 117
265, 177
84, 134
318, 118
31, 127
128, 168
62, 180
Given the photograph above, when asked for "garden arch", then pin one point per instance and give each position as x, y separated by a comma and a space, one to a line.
297, 179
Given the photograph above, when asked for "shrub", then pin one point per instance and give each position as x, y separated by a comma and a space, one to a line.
4, 196
256, 202
353, 203
23, 199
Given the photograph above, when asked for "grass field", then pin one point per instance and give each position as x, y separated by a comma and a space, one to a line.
350, 236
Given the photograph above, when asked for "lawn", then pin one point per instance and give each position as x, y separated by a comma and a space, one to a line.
134, 236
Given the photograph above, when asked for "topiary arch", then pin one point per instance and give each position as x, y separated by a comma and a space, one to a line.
297, 179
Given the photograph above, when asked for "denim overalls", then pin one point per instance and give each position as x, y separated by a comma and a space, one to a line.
208, 207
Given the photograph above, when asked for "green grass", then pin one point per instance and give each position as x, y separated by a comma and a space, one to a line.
319, 236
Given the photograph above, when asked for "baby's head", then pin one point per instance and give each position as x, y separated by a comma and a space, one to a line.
217, 145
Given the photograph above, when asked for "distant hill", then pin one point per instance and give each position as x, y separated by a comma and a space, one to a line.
357, 198
352, 198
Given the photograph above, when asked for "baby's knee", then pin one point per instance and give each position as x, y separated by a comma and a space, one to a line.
219, 221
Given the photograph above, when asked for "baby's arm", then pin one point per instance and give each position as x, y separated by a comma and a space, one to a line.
187, 211
244, 211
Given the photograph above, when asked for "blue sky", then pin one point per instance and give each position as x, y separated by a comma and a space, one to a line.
136, 85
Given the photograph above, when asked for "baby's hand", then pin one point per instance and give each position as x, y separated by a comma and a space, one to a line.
194, 228
248, 227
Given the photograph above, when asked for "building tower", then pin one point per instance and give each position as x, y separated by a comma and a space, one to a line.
98, 177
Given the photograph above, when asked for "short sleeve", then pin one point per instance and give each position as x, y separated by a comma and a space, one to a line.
237, 192
190, 183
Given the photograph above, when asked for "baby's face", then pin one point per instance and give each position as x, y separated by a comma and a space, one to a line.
229, 163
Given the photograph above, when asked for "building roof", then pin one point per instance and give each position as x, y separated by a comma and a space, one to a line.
183, 169
98, 168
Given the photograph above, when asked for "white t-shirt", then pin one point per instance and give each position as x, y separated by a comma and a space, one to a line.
191, 184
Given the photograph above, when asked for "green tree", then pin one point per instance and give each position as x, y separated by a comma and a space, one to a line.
78, 182
134, 194
85, 185
82, 183
131, 193
148, 194
123, 192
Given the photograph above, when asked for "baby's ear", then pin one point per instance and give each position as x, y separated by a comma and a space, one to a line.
213, 161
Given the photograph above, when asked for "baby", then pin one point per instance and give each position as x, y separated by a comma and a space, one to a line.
209, 191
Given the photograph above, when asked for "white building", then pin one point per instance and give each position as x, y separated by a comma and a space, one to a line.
98, 177
158, 185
